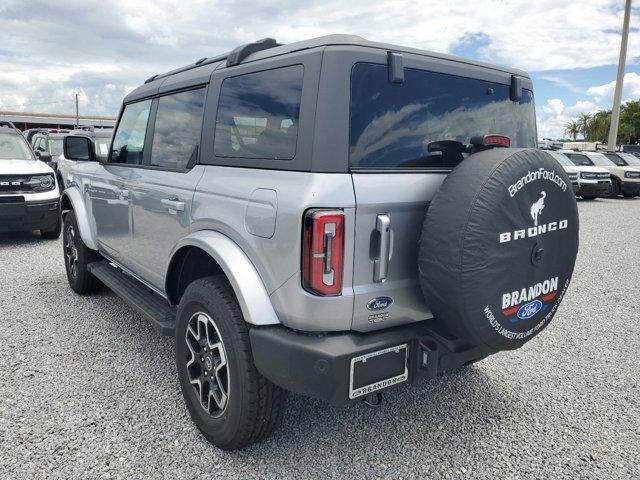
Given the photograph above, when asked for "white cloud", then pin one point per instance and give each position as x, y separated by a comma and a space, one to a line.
630, 89
554, 115
89, 45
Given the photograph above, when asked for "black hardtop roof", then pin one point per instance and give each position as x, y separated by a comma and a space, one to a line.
267, 48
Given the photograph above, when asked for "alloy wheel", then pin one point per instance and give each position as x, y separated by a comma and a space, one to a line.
71, 250
207, 365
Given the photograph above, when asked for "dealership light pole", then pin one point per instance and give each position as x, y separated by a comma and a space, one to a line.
77, 116
615, 113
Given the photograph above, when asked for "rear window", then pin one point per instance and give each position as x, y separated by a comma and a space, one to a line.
258, 114
176, 135
429, 119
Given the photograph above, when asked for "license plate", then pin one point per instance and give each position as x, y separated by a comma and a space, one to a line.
377, 370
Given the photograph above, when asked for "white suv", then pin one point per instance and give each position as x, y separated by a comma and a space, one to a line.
29, 197
593, 181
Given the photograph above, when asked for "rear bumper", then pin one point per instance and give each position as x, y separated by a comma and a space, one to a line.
17, 215
320, 366
598, 189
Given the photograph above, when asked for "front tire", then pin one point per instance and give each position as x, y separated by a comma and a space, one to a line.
230, 402
615, 189
77, 256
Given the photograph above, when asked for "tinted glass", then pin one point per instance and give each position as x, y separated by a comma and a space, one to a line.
177, 130
128, 142
615, 159
258, 114
14, 147
579, 159
428, 120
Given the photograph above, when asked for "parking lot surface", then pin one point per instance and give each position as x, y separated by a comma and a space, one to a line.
89, 390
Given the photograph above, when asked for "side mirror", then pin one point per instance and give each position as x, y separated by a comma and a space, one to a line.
79, 148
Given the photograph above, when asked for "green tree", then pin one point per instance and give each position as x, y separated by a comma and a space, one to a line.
583, 122
572, 129
595, 127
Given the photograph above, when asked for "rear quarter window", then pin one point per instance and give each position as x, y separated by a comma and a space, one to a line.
258, 114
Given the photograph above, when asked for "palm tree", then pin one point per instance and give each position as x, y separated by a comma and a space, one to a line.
584, 123
572, 128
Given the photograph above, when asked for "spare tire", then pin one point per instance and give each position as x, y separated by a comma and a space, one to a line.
498, 246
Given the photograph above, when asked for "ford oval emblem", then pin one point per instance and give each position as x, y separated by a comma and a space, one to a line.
379, 303
528, 310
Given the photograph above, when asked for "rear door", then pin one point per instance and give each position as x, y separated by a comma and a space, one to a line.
162, 190
405, 137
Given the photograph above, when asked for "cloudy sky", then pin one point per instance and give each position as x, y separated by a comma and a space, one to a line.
103, 49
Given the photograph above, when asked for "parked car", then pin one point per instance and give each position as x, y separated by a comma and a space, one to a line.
331, 217
29, 198
591, 181
623, 159
47, 145
625, 180
101, 141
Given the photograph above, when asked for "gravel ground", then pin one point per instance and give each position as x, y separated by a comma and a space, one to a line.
89, 390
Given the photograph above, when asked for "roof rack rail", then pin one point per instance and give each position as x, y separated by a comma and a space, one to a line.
238, 54
152, 78
235, 57
198, 63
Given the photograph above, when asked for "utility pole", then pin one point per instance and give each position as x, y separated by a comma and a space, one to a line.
615, 113
77, 116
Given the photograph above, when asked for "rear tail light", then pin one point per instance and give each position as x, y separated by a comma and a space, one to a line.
323, 251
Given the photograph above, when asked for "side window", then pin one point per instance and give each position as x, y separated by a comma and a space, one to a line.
258, 114
177, 129
128, 142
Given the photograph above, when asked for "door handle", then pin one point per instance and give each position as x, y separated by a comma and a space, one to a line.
173, 204
381, 264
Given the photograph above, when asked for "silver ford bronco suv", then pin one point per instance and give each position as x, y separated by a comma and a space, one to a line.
332, 217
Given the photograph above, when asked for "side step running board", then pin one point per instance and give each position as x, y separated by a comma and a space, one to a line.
147, 303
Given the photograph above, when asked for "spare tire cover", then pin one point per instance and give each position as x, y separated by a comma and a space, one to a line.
498, 246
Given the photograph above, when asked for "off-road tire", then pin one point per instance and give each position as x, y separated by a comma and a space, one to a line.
54, 233
80, 279
615, 188
254, 407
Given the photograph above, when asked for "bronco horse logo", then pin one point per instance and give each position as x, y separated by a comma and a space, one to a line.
537, 207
